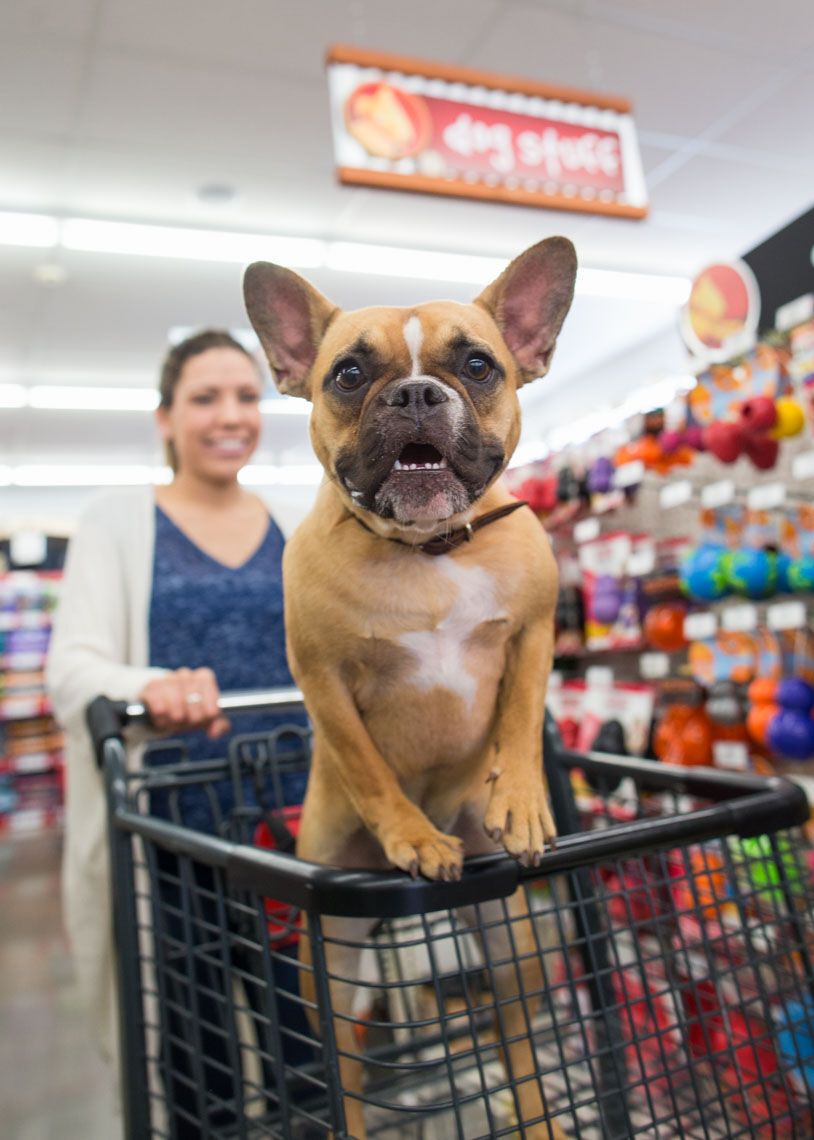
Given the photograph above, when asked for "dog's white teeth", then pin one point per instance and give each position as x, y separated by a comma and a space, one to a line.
399, 466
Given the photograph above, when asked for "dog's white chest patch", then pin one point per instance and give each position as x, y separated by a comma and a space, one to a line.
440, 654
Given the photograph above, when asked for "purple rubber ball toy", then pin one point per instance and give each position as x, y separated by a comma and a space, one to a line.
600, 477
607, 600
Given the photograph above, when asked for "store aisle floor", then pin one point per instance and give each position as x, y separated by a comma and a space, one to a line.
53, 1086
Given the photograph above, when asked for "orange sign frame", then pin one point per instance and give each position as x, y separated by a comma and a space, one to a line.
401, 123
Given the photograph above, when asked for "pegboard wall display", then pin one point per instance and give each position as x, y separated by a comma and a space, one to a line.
685, 543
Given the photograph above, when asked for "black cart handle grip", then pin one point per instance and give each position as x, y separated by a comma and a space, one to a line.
108, 719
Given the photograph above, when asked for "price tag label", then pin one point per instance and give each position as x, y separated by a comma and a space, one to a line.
653, 666
642, 562
699, 626
802, 466
718, 494
732, 754
598, 675
28, 819
586, 530
629, 474
786, 615
739, 619
767, 497
33, 762
18, 708
674, 494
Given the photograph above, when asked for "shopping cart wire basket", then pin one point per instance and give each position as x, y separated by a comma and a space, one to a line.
660, 961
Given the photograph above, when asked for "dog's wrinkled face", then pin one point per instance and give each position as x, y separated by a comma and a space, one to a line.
415, 410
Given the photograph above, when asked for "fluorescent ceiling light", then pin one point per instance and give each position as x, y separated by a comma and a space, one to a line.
625, 286
100, 236
138, 475
285, 406
70, 398
13, 396
200, 245
86, 475
392, 261
37, 230
292, 475
59, 397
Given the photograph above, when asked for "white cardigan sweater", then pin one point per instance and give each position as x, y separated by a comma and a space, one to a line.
100, 645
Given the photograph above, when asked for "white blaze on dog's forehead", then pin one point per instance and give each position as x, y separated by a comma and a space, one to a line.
440, 653
414, 336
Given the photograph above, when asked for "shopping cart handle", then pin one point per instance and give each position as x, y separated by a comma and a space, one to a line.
107, 719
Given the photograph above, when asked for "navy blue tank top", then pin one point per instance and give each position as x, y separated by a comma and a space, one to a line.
206, 614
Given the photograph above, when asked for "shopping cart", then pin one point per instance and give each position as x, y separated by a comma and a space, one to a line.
673, 947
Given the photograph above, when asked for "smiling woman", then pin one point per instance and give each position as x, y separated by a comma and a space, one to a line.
170, 594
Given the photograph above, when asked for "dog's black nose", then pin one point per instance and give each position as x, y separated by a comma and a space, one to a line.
416, 395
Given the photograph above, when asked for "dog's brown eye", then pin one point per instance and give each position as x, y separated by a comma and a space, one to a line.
348, 376
478, 367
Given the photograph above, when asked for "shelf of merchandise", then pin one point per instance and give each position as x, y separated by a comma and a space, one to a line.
649, 504
31, 745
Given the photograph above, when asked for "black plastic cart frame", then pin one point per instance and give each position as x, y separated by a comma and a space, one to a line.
675, 933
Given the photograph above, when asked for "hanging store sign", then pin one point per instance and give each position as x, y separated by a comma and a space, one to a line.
405, 124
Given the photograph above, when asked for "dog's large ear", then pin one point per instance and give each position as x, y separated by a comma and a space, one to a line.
529, 301
290, 317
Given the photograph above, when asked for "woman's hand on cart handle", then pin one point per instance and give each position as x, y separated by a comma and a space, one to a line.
185, 699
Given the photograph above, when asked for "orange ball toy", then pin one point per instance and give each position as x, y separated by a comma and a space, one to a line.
664, 626
757, 721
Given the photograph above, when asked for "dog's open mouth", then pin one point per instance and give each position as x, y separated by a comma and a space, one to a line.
420, 457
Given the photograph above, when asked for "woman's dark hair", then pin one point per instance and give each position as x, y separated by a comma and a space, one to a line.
174, 363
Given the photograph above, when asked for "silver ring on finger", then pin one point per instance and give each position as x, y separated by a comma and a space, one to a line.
194, 698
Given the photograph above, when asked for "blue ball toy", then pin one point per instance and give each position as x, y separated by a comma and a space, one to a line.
751, 573
790, 734
783, 564
801, 573
702, 573
795, 693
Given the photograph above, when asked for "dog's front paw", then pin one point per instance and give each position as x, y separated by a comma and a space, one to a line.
425, 850
519, 817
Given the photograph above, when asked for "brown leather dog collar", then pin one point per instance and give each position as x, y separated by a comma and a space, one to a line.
442, 544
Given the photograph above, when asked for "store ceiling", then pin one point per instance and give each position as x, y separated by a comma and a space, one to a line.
123, 110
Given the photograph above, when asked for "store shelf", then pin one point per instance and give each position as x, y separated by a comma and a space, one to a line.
31, 760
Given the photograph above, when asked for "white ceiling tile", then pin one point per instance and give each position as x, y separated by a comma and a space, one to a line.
40, 89
43, 19
675, 85
756, 198
784, 124
744, 24
221, 112
289, 37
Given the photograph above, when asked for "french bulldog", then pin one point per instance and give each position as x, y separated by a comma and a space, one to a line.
419, 594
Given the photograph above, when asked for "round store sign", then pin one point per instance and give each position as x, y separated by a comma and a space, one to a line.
720, 318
